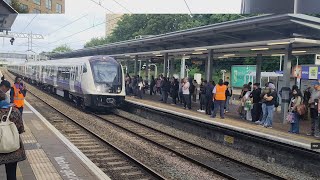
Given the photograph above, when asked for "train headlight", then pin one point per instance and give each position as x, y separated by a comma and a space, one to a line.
99, 88
118, 90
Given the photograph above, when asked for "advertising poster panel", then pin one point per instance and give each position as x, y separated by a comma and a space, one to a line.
239, 74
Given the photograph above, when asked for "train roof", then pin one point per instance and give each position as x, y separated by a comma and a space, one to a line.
69, 61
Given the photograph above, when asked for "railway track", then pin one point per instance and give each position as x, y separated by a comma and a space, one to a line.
107, 156
204, 157
221, 165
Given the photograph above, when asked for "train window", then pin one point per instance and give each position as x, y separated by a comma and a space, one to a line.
85, 68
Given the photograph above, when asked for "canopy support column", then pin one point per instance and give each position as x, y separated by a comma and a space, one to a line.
258, 70
209, 66
135, 65
165, 65
286, 80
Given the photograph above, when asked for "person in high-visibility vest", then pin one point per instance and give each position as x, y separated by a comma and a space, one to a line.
219, 98
18, 93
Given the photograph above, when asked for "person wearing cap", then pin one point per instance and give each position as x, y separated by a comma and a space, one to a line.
257, 106
18, 93
315, 94
10, 160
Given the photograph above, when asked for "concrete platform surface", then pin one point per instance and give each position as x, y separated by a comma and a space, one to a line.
50, 156
279, 132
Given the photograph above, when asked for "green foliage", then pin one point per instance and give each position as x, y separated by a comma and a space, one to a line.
62, 48
96, 42
132, 26
194, 70
17, 6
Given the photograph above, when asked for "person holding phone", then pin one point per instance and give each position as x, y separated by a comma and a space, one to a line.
18, 93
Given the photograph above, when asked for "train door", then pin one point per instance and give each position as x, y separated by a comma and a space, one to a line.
55, 75
72, 78
44, 73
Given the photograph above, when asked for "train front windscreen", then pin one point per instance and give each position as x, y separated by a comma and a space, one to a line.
107, 76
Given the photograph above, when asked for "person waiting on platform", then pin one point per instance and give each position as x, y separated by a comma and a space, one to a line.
165, 89
228, 95
140, 87
186, 93
296, 100
202, 94
152, 84
194, 90
315, 96
256, 96
219, 98
209, 96
174, 90
10, 160
270, 101
18, 93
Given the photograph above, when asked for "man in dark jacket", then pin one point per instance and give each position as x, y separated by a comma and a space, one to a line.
256, 95
209, 89
202, 94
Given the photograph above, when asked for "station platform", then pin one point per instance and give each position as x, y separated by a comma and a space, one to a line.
50, 156
278, 132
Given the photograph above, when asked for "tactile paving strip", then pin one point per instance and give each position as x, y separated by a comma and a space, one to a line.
41, 165
27, 136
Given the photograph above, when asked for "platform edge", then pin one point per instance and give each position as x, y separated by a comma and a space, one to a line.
263, 135
94, 169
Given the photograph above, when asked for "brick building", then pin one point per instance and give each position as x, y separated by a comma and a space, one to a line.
42, 6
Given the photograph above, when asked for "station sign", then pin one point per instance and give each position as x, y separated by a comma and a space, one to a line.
306, 72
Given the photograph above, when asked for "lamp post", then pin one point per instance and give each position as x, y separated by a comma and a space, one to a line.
139, 68
223, 74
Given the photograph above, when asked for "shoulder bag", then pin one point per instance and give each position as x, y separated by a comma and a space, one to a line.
9, 135
301, 108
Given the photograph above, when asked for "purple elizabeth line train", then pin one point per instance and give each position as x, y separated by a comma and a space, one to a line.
96, 82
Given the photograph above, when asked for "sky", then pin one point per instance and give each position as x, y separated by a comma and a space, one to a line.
85, 19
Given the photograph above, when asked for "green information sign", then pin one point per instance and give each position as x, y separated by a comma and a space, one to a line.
238, 74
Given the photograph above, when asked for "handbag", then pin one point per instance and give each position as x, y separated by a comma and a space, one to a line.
301, 109
290, 117
9, 135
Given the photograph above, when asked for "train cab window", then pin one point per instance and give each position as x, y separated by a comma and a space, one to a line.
85, 68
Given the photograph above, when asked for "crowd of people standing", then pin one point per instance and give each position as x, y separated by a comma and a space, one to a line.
256, 104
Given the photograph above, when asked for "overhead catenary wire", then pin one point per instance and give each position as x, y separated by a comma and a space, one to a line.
185, 1
102, 6
85, 30
67, 24
30, 22
122, 6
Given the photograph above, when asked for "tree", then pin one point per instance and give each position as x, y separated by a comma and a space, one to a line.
62, 48
17, 6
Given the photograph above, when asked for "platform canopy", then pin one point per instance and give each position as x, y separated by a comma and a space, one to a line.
266, 35
7, 16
